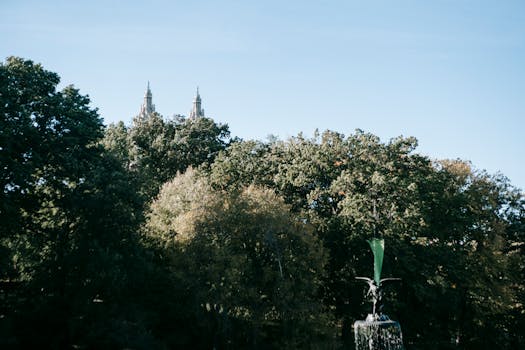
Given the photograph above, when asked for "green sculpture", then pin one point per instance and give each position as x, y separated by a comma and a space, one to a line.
378, 249
375, 285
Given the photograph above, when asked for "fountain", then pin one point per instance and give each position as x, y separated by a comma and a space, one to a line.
377, 331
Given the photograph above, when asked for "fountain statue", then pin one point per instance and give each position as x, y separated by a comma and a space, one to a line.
377, 331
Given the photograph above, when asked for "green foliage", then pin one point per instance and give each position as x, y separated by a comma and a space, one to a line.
42, 133
258, 247
117, 142
155, 149
69, 215
254, 268
445, 227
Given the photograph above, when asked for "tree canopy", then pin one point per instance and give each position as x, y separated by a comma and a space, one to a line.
168, 234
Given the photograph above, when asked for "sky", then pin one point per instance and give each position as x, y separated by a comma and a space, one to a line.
450, 73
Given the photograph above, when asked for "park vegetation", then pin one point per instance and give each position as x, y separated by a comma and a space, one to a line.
171, 234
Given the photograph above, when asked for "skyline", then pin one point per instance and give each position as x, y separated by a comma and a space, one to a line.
449, 73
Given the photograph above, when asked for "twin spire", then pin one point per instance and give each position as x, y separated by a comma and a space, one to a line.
148, 107
196, 110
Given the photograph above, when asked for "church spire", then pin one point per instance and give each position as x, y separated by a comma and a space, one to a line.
147, 107
197, 111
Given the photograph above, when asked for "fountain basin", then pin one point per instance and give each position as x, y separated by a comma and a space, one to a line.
378, 333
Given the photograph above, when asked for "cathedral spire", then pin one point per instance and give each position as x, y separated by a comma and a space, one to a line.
147, 107
197, 111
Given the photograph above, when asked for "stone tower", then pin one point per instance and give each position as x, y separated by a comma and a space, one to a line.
147, 107
197, 111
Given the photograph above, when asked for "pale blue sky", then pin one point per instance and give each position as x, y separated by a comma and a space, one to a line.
451, 73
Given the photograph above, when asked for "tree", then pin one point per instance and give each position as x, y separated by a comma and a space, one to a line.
70, 215
42, 133
451, 232
253, 267
155, 149
242, 164
117, 142
199, 141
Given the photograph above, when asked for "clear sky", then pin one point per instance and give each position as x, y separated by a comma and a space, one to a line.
451, 73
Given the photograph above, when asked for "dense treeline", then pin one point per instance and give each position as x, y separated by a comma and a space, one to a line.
169, 234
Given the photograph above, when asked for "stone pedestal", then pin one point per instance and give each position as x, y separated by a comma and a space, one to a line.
379, 333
